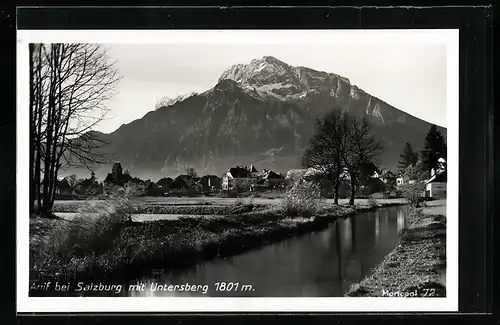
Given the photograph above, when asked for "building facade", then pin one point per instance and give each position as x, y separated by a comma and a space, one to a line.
239, 179
435, 186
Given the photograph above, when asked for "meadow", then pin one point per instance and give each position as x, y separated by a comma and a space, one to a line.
168, 208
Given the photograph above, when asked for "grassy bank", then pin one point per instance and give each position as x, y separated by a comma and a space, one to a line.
416, 267
172, 209
110, 245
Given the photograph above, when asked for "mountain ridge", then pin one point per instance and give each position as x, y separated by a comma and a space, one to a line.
266, 106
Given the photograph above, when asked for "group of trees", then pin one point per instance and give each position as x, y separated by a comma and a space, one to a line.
69, 84
415, 167
345, 147
428, 158
341, 145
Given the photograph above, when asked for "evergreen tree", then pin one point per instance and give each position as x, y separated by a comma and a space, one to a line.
435, 148
408, 157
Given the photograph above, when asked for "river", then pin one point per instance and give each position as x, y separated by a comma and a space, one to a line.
318, 264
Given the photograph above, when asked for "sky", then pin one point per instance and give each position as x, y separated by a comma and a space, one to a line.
408, 76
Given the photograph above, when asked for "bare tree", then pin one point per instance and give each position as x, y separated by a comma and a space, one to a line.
38, 108
326, 149
413, 187
71, 83
72, 180
361, 147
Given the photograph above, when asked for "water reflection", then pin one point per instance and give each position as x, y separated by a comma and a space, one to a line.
401, 217
346, 233
324, 263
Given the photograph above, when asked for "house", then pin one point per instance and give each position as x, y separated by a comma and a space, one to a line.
63, 187
253, 171
318, 171
293, 174
116, 177
441, 164
164, 184
83, 186
270, 179
388, 178
88, 186
238, 178
210, 183
312, 172
183, 184
435, 186
399, 180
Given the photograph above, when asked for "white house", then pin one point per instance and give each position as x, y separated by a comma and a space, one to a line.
436, 185
238, 178
318, 171
400, 180
295, 173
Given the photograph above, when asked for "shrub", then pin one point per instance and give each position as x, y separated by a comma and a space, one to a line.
96, 227
372, 202
303, 199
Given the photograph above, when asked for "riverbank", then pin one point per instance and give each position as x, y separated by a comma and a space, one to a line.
61, 251
417, 266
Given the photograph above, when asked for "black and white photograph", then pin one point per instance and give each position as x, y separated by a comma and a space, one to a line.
238, 170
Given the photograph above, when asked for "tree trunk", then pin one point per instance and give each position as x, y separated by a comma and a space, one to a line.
353, 190
38, 132
32, 130
38, 179
337, 188
47, 176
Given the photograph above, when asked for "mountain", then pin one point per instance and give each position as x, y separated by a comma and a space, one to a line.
263, 113
167, 101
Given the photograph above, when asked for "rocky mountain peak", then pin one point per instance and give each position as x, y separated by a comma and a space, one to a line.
257, 70
271, 77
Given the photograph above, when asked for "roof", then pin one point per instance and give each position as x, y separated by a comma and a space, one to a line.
124, 178
136, 180
165, 181
295, 173
437, 178
272, 175
312, 171
388, 174
109, 178
239, 172
63, 183
182, 181
84, 183
206, 177
253, 169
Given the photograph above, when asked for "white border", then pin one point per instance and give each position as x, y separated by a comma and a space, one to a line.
173, 304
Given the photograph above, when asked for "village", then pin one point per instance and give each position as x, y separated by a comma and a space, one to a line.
247, 180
